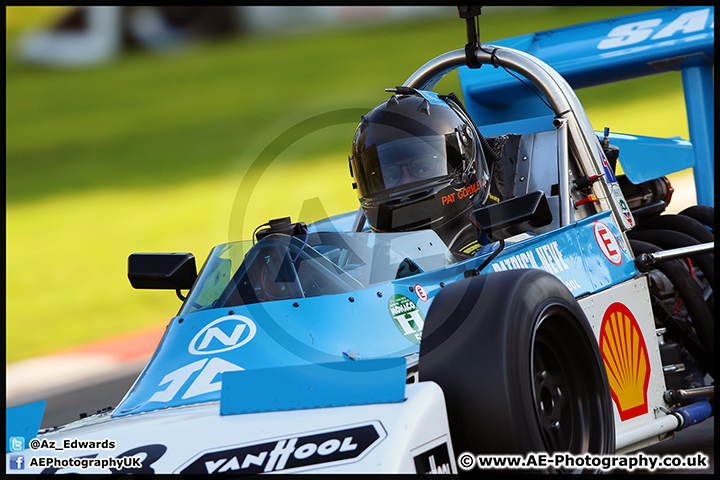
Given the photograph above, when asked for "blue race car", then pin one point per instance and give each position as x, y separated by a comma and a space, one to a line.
581, 321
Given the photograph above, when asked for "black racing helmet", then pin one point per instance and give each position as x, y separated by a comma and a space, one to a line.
418, 163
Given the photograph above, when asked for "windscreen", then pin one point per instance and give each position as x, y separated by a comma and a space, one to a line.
282, 267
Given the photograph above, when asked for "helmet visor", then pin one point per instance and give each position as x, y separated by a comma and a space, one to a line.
407, 160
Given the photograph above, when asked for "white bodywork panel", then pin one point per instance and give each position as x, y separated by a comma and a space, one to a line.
396, 436
627, 367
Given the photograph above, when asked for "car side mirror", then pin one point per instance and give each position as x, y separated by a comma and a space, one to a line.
514, 216
166, 271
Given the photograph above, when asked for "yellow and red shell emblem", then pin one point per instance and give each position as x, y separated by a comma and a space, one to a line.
626, 360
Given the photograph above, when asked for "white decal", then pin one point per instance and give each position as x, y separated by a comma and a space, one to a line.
608, 243
202, 384
294, 453
636, 32
223, 334
442, 469
231, 465
412, 316
629, 34
176, 379
688, 22
551, 260
572, 285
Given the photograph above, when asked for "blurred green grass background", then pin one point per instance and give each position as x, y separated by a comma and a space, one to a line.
147, 153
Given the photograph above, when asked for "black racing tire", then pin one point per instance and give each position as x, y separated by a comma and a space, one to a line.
679, 223
667, 239
704, 214
691, 294
519, 366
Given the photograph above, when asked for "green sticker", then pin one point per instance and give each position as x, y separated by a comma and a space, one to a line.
407, 317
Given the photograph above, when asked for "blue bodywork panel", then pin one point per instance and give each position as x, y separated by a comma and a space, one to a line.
646, 158
23, 422
187, 365
383, 321
362, 382
585, 256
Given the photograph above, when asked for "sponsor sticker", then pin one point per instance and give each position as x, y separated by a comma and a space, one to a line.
291, 453
548, 257
407, 317
607, 242
434, 461
628, 35
223, 334
421, 293
625, 210
204, 382
609, 174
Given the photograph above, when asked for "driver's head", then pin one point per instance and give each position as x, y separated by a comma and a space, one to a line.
417, 163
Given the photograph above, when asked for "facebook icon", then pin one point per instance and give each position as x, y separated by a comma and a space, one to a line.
17, 462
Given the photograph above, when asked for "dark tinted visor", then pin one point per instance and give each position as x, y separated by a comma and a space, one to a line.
406, 161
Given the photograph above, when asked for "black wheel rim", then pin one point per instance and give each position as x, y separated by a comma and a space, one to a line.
568, 387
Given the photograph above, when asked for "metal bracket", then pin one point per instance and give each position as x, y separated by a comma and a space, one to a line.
469, 13
647, 259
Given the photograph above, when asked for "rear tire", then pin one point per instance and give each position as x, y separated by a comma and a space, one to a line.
519, 365
704, 214
699, 336
679, 223
695, 326
668, 239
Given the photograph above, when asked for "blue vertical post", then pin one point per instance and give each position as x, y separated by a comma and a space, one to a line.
700, 105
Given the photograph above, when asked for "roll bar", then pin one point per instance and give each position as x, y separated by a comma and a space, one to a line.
570, 118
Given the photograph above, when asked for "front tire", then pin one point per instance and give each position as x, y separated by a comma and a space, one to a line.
519, 365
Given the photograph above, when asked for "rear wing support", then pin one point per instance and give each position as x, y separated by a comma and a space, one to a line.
699, 102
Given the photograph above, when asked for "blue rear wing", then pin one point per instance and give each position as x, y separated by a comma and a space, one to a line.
612, 50
651, 157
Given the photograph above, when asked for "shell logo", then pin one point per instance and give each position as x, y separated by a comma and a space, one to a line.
626, 360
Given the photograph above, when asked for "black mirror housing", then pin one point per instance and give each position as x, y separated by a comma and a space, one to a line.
162, 271
514, 216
